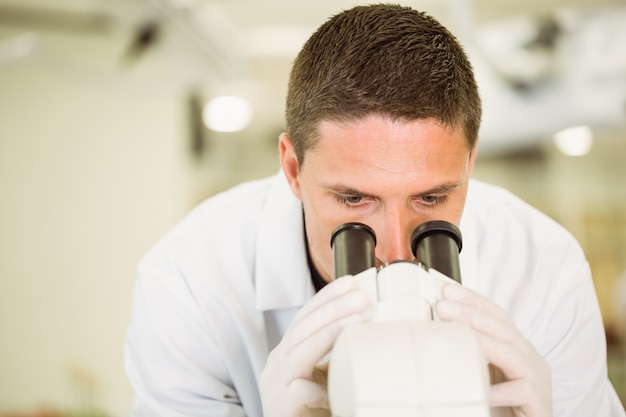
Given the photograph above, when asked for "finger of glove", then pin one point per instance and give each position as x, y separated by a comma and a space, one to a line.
479, 319
301, 358
330, 290
500, 340
522, 395
516, 361
466, 296
507, 394
321, 312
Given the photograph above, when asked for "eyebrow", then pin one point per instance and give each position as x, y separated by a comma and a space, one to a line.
346, 190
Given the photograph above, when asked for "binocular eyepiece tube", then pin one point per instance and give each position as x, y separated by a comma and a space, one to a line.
353, 248
435, 244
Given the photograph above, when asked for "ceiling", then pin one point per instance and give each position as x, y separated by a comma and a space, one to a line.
542, 65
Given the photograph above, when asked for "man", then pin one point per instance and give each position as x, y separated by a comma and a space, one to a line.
235, 308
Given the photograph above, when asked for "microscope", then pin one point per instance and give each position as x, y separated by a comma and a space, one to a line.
405, 362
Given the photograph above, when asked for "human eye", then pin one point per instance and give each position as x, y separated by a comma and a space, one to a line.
433, 200
350, 200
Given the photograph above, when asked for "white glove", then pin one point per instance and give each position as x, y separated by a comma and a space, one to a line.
526, 386
291, 384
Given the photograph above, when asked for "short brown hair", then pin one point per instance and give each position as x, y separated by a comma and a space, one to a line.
382, 59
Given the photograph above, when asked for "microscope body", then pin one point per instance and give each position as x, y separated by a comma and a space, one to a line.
406, 362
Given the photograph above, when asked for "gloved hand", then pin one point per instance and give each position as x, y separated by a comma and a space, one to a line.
527, 385
291, 384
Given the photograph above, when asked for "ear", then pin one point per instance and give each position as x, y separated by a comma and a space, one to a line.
289, 163
472, 157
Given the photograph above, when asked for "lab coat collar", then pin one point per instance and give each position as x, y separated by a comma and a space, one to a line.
282, 275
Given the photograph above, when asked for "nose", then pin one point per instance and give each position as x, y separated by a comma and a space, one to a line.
394, 235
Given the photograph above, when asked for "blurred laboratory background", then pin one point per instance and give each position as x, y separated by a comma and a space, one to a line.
118, 116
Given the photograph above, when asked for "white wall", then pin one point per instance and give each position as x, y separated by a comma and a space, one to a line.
93, 169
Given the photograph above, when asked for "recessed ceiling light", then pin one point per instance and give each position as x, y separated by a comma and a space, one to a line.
227, 113
574, 141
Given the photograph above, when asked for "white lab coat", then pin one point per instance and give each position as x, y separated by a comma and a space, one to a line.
216, 294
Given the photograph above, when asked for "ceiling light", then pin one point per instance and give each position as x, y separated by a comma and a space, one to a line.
227, 113
574, 141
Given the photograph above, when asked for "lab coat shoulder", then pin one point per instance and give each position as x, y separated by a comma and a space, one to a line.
512, 236
220, 224
500, 213
194, 312
535, 269
526, 261
211, 252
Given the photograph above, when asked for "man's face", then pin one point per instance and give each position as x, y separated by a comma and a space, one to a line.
392, 176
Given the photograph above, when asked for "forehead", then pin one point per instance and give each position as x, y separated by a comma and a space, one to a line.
324, 127
375, 121
390, 137
377, 149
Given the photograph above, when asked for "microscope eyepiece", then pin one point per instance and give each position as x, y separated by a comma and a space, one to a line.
436, 244
353, 247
